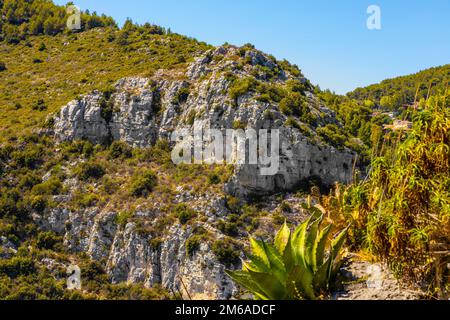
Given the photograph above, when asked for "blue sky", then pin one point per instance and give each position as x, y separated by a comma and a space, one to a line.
327, 39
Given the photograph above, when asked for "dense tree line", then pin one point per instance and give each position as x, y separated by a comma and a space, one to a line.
22, 18
397, 93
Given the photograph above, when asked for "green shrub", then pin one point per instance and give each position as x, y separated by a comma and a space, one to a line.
17, 266
241, 87
184, 213
48, 240
40, 105
120, 149
29, 180
124, 217
38, 203
42, 47
226, 251
52, 186
143, 183
181, 96
193, 244
90, 170
214, 178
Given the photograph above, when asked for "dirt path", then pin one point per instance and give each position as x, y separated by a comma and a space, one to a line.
366, 281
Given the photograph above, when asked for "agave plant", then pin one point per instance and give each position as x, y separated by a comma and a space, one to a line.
296, 266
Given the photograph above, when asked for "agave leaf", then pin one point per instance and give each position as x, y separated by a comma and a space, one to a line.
337, 243
269, 286
298, 243
300, 281
282, 238
311, 236
336, 246
288, 256
259, 250
318, 251
322, 276
278, 268
256, 264
245, 279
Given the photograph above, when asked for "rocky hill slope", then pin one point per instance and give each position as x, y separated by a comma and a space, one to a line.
142, 111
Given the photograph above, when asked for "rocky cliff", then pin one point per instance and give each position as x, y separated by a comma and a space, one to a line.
141, 111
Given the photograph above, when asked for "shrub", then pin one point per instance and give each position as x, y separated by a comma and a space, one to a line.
17, 266
226, 251
90, 170
52, 186
241, 87
193, 244
296, 266
38, 203
213, 178
228, 228
143, 183
2, 66
120, 149
42, 47
181, 96
184, 213
40, 105
29, 180
123, 218
48, 240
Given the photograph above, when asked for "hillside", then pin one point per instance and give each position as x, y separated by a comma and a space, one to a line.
397, 93
87, 175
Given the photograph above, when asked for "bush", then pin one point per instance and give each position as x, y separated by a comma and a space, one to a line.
38, 203
241, 87
90, 170
40, 105
193, 244
181, 96
226, 251
143, 183
52, 186
123, 218
28, 181
2, 66
48, 240
213, 178
42, 47
183, 213
17, 266
120, 149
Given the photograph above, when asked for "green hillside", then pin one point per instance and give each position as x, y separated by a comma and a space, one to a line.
393, 94
43, 72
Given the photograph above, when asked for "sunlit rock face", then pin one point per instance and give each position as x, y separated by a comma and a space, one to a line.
141, 110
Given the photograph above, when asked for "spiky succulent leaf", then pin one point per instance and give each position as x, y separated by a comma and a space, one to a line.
245, 279
298, 243
311, 236
319, 247
256, 264
259, 250
300, 282
278, 268
282, 238
322, 276
270, 286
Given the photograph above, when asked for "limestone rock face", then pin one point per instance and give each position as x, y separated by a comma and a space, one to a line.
141, 111
133, 257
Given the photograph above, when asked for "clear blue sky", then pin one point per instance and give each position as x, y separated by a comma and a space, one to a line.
327, 39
